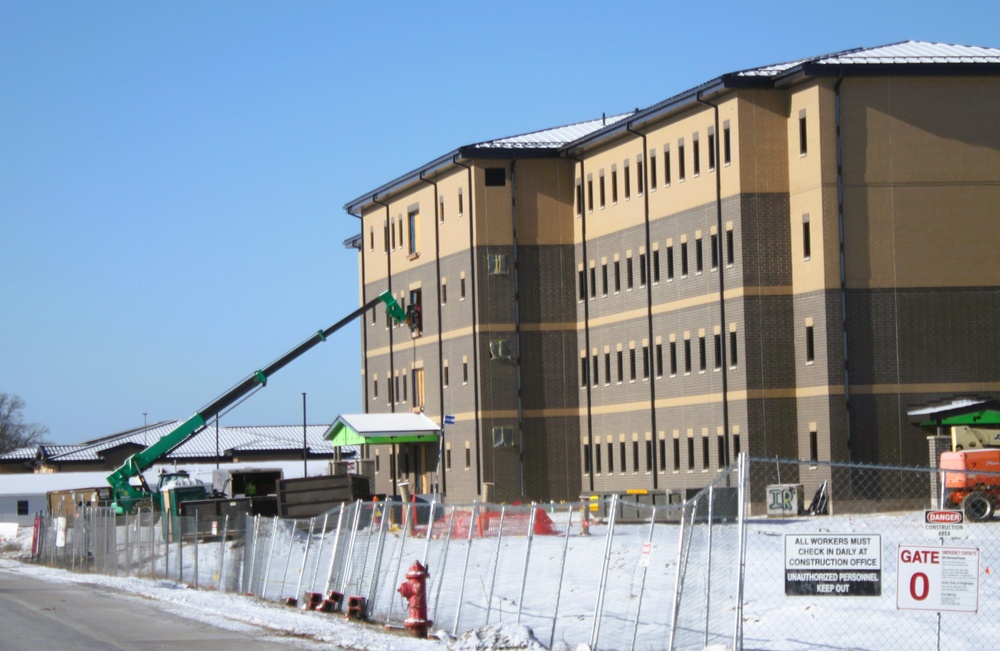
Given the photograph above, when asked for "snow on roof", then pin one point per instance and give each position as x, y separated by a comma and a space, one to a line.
387, 423
904, 52
552, 138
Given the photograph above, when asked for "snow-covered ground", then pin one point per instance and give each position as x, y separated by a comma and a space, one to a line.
771, 619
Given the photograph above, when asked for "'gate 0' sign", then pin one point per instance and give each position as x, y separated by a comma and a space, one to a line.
846, 565
942, 579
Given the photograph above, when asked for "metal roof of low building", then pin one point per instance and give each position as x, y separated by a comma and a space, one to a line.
553, 138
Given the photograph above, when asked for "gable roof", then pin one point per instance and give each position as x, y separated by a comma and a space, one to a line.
377, 429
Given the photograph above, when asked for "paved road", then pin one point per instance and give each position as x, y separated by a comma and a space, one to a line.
36, 615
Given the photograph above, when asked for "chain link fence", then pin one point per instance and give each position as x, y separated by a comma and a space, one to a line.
774, 554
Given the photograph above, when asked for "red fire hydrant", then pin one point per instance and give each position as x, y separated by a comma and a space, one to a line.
414, 590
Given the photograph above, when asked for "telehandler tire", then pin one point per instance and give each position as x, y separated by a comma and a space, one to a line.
978, 507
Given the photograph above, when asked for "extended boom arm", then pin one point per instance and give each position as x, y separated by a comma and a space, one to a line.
127, 495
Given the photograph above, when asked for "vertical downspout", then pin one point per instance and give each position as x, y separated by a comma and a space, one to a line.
843, 264
649, 298
475, 330
517, 320
394, 452
578, 195
722, 282
366, 454
440, 341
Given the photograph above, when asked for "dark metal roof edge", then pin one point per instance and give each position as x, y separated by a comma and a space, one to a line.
862, 69
402, 181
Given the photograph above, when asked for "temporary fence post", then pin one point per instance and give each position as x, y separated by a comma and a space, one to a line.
562, 570
402, 546
128, 549
708, 562
527, 557
465, 569
319, 552
432, 613
743, 499
377, 564
599, 608
270, 555
678, 580
496, 563
642, 585
333, 553
305, 555
180, 549
166, 524
288, 560
427, 534
350, 548
222, 552
196, 536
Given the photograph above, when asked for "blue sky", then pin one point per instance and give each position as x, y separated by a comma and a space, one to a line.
173, 175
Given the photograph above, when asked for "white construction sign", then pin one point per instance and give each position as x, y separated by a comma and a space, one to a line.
942, 579
846, 565
944, 524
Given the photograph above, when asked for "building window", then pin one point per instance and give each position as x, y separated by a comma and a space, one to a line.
684, 259
649, 455
806, 238
702, 355
400, 224
419, 394
699, 256
726, 144
461, 288
611, 457
597, 458
640, 180
461, 203
642, 270
687, 357
579, 198
444, 292
395, 392
392, 227
663, 454
604, 278
600, 192
621, 370
718, 351
607, 368
465, 371
631, 364
677, 454
22, 507
496, 264
586, 458
583, 371
670, 262
711, 149
652, 170
645, 362
680, 160
597, 371
614, 185
628, 182
468, 456
593, 282
618, 277
590, 193
696, 155
621, 451
732, 349
385, 233
656, 266
441, 211
720, 450
659, 360
673, 359
582, 280
628, 273
705, 462
496, 177
445, 375
810, 345
803, 140
813, 445
447, 457
714, 243
690, 451
666, 165
404, 387
375, 388
371, 238
730, 248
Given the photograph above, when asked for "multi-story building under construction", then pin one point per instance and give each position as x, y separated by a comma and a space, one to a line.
781, 261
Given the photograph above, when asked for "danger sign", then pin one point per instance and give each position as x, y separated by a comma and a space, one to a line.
942, 579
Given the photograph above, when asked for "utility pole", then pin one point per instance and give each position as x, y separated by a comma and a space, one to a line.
305, 444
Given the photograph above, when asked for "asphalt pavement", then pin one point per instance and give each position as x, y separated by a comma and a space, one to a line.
37, 615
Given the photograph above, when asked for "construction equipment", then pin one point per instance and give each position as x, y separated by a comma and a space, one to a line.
127, 497
974, 486
964, 437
